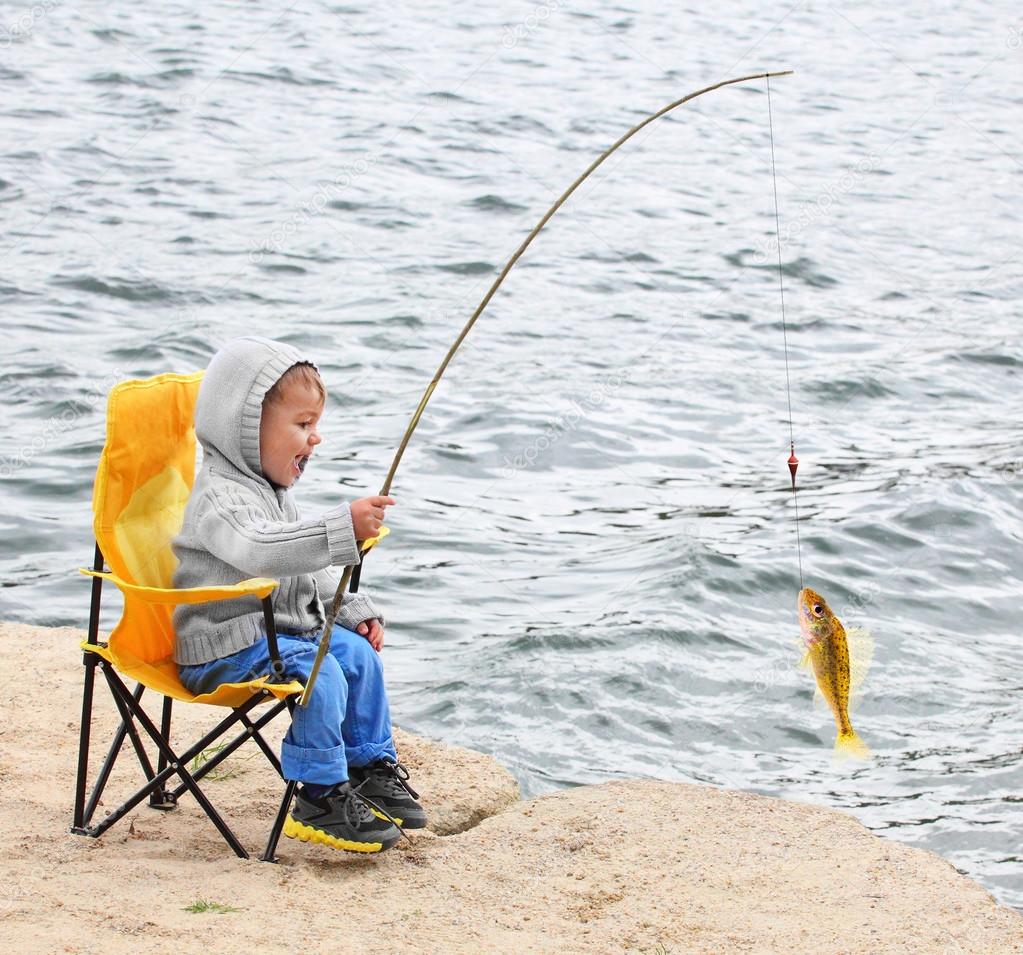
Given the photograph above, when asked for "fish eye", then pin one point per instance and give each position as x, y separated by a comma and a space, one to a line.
818, 609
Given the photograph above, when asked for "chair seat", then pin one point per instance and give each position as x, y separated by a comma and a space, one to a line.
163, 678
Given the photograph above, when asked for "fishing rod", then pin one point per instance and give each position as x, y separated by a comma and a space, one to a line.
351, 574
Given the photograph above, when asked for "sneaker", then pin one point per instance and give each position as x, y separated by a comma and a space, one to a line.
339, 819
384, 784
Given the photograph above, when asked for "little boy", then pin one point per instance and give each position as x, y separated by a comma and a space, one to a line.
256, 417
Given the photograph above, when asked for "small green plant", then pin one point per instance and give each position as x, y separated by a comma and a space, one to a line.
207, 754
205, 905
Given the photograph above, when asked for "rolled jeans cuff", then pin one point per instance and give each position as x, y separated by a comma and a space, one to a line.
322, 766
368, 752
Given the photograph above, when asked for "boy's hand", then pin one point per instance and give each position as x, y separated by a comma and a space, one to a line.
373, 631
368, 515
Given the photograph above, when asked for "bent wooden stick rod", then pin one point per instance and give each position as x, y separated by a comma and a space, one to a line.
386, 489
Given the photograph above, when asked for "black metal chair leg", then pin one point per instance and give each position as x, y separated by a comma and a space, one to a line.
108, 764
90, 661
227, 749
178, 766
81, 783
121, 695
257, 737
270, 854
160, 798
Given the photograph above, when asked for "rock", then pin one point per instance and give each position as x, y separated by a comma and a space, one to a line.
459, 787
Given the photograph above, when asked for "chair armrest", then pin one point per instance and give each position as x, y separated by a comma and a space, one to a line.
260, 587
373, 541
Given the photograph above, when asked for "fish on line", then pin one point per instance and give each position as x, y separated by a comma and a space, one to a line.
839, 662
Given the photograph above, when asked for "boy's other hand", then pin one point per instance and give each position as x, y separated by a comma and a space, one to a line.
373, 631
368, 515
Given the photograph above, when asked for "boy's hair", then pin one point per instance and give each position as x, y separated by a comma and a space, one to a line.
302, 372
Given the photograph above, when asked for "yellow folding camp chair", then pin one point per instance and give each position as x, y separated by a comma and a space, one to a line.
142, 484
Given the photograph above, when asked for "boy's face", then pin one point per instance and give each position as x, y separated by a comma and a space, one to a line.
288, 433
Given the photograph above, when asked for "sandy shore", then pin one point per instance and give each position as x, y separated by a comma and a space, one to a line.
625, 867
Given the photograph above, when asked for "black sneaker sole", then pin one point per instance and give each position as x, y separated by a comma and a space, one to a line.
304, 832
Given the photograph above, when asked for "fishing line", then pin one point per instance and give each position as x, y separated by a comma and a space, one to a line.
793, 461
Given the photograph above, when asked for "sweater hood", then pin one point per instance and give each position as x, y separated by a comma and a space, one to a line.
230, 403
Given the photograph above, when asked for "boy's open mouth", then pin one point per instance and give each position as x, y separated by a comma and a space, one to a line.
300, 462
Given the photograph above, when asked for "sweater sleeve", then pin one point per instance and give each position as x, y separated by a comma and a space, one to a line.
354, 607
238, 532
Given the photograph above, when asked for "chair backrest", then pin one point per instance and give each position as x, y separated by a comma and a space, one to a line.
143, 481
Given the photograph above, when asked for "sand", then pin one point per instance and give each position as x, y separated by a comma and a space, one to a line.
624, 867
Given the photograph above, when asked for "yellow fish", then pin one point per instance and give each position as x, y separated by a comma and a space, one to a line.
838, 673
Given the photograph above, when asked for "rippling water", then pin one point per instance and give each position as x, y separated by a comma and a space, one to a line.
593, 571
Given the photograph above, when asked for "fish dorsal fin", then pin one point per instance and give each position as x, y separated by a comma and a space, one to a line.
861, 653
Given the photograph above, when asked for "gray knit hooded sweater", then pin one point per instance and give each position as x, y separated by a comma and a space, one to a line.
238, 525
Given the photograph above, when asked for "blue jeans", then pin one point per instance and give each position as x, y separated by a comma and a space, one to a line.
347, 721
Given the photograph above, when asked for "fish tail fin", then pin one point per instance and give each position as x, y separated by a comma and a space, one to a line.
851, 746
